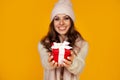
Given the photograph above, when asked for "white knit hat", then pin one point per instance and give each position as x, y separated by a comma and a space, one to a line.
63, 7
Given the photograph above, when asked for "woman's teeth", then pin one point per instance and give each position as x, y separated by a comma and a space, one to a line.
62, 28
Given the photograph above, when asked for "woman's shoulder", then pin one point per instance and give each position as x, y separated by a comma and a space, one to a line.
79, 44
84, 42
79, 41
40, 45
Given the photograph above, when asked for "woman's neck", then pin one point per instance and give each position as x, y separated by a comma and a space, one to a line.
62, 38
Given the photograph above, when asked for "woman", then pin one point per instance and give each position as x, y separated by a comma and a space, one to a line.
62, 29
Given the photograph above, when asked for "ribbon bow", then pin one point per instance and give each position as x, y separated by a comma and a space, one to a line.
59, 45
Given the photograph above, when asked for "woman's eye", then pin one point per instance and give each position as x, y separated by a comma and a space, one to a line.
56, 19
67, 18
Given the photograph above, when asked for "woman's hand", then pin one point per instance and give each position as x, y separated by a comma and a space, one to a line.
67, 62
52, 62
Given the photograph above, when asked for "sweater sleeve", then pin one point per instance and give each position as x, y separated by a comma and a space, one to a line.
44, 56
79, 60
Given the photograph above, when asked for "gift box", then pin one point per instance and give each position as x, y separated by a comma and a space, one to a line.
60, 51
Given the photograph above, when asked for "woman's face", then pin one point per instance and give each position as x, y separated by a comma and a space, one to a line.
62, 23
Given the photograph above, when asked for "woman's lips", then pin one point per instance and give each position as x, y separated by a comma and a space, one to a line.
62, 28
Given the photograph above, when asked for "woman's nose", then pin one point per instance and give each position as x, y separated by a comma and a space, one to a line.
61, 22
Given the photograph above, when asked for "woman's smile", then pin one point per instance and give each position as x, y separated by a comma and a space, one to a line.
62, 28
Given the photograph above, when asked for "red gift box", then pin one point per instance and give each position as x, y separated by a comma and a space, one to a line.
55, 53
60, 51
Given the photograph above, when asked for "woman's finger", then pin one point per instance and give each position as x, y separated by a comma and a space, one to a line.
70, 58
55, 65
68, 62
52, 63
50, 58
66, 65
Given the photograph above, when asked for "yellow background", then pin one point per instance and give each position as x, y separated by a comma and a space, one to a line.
24, 22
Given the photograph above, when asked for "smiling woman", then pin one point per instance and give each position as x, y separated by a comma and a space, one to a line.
62, 31
25, 22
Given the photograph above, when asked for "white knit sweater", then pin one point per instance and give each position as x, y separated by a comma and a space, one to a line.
71, 73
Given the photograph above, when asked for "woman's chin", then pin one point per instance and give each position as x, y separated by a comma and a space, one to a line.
62, 33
